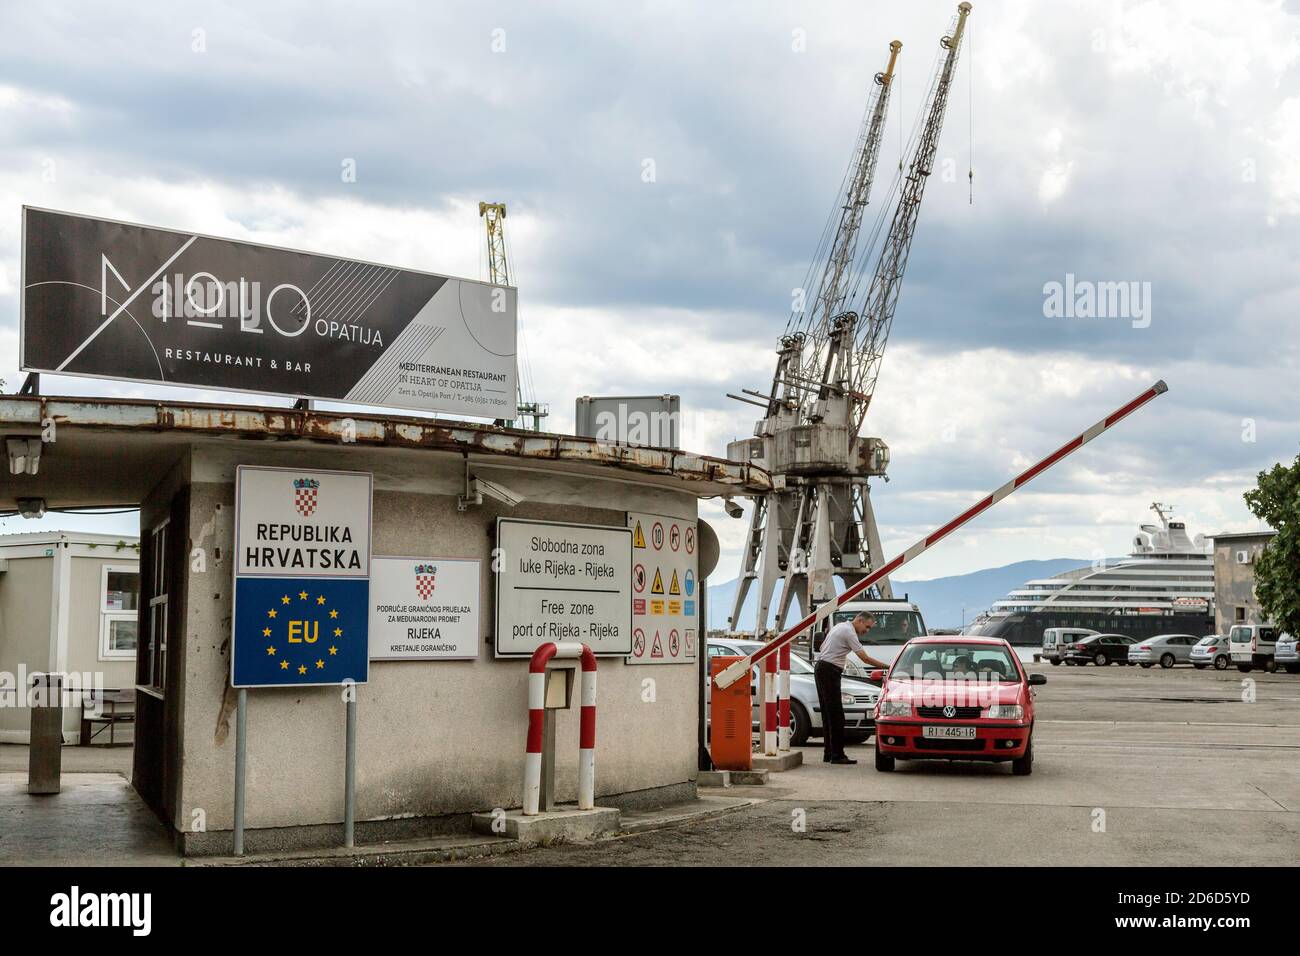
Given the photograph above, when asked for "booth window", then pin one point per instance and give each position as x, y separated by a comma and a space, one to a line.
155, 667
119, 601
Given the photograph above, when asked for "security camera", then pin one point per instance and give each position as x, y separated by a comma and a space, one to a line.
31, 507
733, 509
478, 487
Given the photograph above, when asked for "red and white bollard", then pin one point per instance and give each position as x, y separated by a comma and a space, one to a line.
537, 716
769, 707
783, 698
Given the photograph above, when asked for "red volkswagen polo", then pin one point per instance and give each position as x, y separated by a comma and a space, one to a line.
956, 698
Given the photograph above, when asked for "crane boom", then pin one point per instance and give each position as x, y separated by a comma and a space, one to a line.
866, 346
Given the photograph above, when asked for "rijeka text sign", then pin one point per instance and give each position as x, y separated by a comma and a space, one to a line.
302, 523
113, 300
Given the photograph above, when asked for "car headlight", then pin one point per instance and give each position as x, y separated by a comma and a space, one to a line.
896, 708
847, 700
1007, 711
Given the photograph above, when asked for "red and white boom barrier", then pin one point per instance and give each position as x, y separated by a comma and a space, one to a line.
730, 675
536, 717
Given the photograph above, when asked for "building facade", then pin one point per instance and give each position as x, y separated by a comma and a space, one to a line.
68, 604
1235, 554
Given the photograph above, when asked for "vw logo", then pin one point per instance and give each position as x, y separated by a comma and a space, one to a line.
950, 711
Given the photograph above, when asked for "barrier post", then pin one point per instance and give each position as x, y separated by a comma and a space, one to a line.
783, 699
769, 706
533, 756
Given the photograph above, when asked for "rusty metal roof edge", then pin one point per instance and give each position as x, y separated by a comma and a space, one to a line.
375, 430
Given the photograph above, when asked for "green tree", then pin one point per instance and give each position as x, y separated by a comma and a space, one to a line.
1275, 499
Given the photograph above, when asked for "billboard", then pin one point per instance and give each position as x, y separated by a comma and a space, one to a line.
108, 299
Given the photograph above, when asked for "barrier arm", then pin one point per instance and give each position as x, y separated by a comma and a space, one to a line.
740, 668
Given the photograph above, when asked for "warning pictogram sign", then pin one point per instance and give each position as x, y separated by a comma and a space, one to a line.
657, 536
638, 537
658, 649
638, 578
690, 539
675, 587
665, 588
638, 642
673, 646
675, 537
690, 642
658, 586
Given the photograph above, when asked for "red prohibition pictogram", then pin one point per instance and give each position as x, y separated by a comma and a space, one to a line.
690, 540
638, 578
672, 643
675, 537
638, 642
657, 536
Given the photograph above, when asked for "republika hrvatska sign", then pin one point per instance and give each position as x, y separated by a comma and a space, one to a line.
113, 300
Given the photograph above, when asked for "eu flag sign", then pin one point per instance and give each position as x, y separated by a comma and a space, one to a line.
300, 632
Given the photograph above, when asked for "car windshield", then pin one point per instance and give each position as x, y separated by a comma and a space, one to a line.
1212, 639
955, 661
892, 627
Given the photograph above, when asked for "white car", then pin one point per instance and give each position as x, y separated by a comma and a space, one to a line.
858, 697
1286, 654
1211, 651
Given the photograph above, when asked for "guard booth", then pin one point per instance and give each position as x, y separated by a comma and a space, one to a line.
440, 717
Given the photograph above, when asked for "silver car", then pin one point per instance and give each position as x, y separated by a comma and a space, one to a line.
858, 697
1211, 650
1287, 654
1164, 649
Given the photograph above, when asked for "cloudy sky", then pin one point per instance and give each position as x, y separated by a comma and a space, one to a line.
1113, 141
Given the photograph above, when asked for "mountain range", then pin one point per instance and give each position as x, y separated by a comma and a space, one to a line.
944, 602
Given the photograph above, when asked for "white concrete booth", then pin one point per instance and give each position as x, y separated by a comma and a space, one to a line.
68, 605
437, 740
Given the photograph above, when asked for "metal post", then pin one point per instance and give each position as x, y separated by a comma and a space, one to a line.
548, 760
241, 755
350, 775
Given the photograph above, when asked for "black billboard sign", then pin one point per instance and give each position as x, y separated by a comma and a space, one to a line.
113, 300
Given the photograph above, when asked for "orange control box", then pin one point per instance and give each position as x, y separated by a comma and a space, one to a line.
730, 714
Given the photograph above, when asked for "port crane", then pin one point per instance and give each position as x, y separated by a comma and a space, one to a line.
493, 214
818, 522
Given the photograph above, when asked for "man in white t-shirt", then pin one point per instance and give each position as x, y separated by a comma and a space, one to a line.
842, 640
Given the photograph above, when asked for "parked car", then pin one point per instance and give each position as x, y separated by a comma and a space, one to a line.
1100, 649
957, 698
1212, 649
858, 697
1163, 649
1253, 645
1285, 654
897, 622
1055, 638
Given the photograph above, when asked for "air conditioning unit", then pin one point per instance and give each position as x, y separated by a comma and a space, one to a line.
1243, 557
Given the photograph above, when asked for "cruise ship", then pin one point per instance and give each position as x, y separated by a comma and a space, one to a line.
1166, 586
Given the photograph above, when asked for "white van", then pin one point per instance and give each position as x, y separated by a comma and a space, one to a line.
897, 622
1252, 645
1055, 638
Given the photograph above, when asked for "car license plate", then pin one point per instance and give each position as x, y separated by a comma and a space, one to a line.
941, 733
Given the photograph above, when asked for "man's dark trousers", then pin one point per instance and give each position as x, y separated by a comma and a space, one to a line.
828, 695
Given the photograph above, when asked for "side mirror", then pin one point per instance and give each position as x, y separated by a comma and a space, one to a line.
876, 676
1037, 678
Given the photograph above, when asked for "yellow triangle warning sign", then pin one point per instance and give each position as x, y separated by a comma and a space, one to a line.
658, 586
657, 649
675, 587
638, 536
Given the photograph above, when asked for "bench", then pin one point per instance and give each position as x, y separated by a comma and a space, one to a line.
114, 706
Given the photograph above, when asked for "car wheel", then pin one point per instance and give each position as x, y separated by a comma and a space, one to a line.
1145, 666
800, 725
883, 764
1166, 661
1221, 663
1270, 667
1101, 660
1024, 766
1244, 668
